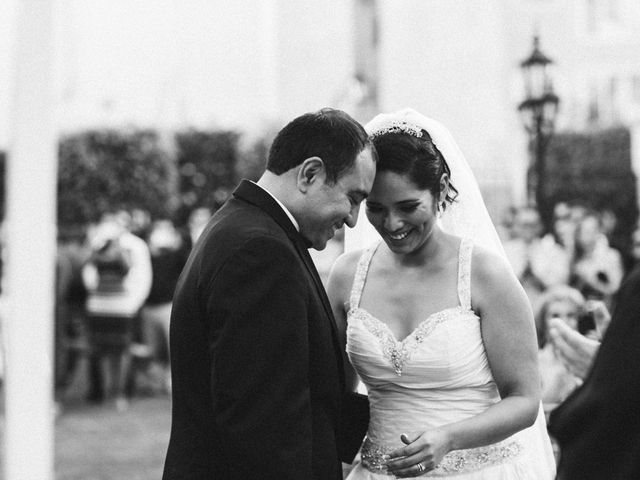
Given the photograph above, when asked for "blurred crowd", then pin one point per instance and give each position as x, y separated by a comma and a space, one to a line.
570, 274
115, 283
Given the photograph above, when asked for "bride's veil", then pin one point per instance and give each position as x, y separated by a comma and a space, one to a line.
466, 217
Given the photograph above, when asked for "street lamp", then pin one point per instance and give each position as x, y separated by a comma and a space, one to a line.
538, 111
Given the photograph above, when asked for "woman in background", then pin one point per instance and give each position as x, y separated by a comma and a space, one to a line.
568, 305
597, 268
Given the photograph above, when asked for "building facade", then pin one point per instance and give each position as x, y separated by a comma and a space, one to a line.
248, 63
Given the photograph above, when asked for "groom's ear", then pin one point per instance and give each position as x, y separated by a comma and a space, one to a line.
311, 171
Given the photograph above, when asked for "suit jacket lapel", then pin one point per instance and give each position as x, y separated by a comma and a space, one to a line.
304, 253
254, 194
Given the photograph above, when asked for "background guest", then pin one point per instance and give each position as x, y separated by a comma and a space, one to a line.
565, 304
118, 278
538, 263
598, 425
597, 269
635, 247
71, 294
563, 227
198, 219
169, 254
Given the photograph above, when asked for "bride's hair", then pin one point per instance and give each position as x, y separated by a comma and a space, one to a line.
416, 157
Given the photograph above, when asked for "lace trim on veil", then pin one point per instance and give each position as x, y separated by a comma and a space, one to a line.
464, 273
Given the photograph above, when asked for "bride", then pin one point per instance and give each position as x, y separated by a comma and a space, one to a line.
436, 324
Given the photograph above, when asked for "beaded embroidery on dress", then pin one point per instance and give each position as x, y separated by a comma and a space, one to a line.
437, 375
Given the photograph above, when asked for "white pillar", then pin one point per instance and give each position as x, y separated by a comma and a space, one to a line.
30, 255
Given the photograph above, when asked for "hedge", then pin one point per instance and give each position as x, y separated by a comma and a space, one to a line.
594, 169
104, 169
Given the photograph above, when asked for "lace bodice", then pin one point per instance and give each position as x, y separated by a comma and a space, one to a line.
437, 375
399, 352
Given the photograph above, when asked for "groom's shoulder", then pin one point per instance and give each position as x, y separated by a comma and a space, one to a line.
234, 232
237, 221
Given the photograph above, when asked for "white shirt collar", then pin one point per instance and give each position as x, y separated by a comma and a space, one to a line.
286, 210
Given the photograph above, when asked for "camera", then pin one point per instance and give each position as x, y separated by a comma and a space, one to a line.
586, 322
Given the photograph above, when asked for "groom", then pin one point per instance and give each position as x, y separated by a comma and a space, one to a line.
257, 369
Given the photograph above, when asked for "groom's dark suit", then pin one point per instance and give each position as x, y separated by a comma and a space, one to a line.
256, 364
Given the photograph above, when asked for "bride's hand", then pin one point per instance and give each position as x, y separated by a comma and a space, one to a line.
424, 451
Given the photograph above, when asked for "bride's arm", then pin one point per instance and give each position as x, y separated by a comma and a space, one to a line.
509, 338
338, 291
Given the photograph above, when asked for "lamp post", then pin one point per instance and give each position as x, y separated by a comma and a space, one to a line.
538, 111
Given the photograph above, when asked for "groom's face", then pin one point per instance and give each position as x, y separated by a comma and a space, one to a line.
330, 206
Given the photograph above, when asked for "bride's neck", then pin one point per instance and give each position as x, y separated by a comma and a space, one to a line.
428, 253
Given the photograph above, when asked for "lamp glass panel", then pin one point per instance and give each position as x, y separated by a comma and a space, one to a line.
539, 82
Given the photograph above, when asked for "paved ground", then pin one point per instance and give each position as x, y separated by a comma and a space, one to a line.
96, 442
100, 443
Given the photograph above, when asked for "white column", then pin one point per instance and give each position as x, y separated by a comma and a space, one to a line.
30, 260
269, 61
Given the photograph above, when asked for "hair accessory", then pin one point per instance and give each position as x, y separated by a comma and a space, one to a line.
467, 216
395, 126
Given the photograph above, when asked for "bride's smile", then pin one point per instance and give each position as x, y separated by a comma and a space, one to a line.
403, 214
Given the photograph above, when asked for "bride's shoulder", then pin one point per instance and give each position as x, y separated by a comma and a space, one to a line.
346, 264
341, 275
488, 265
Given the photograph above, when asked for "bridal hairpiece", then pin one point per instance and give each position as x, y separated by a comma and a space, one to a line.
396, 126
467, 216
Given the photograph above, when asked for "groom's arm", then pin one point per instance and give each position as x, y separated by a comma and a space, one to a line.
259, 361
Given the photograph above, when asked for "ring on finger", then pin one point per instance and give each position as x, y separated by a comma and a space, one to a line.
420, 467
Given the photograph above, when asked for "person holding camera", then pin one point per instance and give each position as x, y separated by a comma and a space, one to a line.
562, 307
598, 425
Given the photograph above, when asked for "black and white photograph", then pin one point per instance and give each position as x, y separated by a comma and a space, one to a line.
319, 239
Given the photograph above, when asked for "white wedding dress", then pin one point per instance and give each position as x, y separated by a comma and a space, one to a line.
437, 375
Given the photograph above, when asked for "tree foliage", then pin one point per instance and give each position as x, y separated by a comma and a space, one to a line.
101, 170
106, 169
252, 161
206, 163
594, 170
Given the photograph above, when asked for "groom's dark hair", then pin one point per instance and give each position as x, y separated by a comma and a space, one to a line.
330, 134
